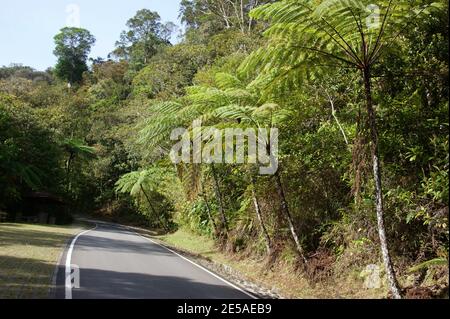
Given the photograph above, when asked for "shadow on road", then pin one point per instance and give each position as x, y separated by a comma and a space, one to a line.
124, 285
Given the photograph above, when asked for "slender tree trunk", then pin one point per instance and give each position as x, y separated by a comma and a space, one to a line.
285, 210
68, 169
242, 17
260, 219
224, 15
208, 208
163, 224
148, 200
333, 112
250, 21
210, 216
220, 199
393, 284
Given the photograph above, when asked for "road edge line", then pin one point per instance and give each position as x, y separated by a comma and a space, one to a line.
199, 266
54, 289
67, 277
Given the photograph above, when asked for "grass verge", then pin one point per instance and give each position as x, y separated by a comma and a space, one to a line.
28, 255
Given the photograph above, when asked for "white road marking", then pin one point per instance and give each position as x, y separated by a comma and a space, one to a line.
69, 262
199, 266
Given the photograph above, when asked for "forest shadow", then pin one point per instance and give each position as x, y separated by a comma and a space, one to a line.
25, 278
90, 242
102, 284
10, 236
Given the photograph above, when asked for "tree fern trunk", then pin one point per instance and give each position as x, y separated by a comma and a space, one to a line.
260, 219
393, 284
155, 213
211, 218
220, 200
287, 214
208, 208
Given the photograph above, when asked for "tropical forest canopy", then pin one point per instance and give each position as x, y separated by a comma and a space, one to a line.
359, 95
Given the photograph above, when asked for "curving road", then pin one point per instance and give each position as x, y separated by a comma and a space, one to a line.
115, 263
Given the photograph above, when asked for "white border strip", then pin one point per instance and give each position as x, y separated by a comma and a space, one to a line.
68, 278
199, 266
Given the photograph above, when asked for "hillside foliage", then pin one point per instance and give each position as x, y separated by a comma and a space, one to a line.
349, 86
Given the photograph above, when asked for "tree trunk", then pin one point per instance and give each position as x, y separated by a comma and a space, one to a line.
210, 216
285, 210
208, 208
260, 219
393, 284
333, 112
219, 198
68, 170
155, 213
148, 200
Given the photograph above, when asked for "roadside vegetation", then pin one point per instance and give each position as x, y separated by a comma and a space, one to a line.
359, 95
283, 278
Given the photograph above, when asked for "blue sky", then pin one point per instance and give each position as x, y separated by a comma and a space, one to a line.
27, 27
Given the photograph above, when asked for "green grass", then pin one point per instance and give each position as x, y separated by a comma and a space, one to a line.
253, 270
193, 243
28, 255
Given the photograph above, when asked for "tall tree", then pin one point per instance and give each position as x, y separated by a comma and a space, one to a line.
75, 148
29, 155
146, 34
73, 46
219, 13
305, 37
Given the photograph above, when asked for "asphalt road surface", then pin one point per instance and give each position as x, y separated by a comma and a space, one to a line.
115, 263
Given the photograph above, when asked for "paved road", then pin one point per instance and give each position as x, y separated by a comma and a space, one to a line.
118, 264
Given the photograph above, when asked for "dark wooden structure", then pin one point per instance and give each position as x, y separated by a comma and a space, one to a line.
44, 208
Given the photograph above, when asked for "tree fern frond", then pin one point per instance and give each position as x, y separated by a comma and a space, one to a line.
305, 32
227, 81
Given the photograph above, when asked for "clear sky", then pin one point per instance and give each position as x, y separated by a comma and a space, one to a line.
27, 27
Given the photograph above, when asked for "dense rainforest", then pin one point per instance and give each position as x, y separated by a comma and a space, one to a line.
358, 92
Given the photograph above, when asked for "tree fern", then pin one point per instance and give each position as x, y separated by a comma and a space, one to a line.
306, 38
78, 147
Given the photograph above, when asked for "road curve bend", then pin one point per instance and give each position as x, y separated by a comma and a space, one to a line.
115, 263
